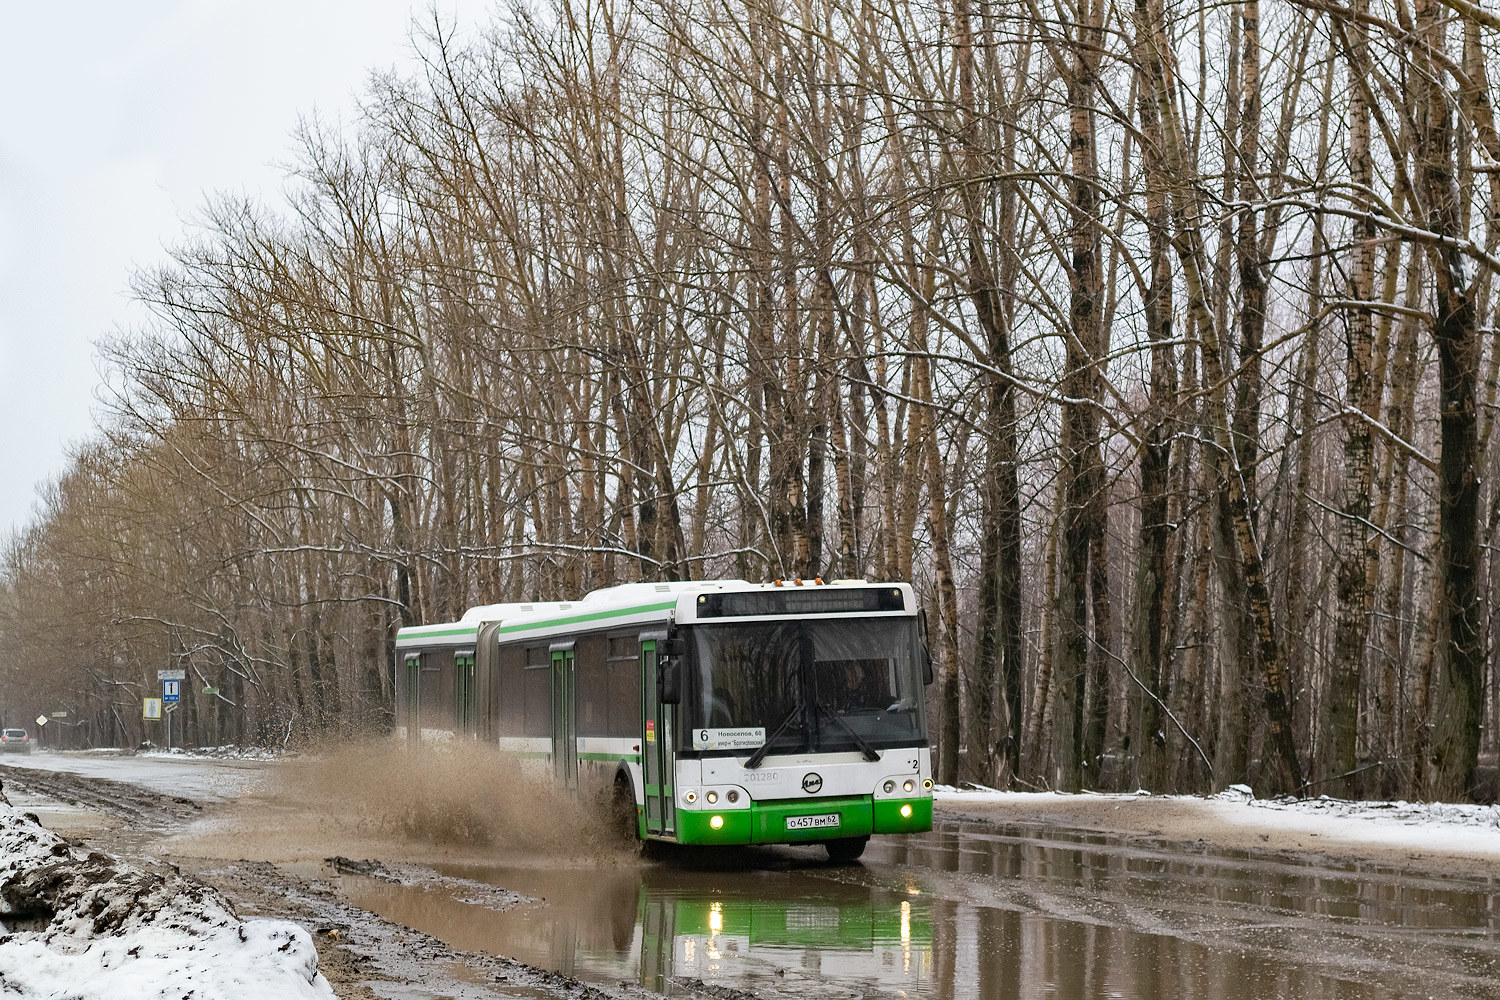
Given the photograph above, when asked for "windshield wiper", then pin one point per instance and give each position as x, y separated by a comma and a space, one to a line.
759, 756
870, 752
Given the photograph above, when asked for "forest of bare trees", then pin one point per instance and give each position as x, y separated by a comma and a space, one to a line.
1155, 341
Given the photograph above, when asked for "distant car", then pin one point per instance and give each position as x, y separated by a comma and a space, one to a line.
14, 741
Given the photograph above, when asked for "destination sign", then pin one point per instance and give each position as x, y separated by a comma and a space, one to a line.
744, 738
800, 601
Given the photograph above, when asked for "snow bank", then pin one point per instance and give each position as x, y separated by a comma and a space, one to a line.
80, 924
1423, 826
227, 752
1433, 826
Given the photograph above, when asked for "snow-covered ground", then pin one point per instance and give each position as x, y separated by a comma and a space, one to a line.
88, 926
1418, 826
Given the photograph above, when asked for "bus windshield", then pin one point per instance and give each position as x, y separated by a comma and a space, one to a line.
817, 685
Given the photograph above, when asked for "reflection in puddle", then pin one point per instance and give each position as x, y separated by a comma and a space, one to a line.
965, 914
658, 924
869, 940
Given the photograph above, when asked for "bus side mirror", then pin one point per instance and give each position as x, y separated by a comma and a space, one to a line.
922, 646
668, 682
669, 653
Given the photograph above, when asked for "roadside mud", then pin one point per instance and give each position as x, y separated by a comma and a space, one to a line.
362, 955
464, 890
131, 803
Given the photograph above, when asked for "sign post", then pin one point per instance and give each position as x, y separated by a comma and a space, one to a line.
171, 694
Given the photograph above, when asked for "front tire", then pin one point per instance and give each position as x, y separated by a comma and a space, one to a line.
845, 849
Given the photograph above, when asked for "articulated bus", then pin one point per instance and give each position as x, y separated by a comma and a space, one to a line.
714, 712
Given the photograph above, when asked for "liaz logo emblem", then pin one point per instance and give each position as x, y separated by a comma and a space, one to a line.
812, 782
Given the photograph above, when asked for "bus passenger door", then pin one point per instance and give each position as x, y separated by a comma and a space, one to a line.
658, 761
463, 692
413, 694
564, 717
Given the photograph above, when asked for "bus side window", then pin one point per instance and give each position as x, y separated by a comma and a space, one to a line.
510, 692
592, 692
536, 695
624, 681
437, 689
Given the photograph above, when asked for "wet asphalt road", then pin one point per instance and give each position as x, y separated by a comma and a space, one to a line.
968, 911
979, 912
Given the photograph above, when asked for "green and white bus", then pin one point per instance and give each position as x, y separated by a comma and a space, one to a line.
727, 712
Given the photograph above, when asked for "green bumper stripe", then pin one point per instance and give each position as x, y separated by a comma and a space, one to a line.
888, 818
765, 822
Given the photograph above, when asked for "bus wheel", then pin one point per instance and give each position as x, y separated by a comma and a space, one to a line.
845, 849
622, 811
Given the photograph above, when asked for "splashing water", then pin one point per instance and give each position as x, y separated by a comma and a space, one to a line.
383, 798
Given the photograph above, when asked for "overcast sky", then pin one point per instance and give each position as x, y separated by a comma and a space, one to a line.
116, 119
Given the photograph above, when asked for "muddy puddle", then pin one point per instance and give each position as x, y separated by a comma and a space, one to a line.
972, 912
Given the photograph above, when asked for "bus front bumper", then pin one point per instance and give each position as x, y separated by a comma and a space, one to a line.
767, 822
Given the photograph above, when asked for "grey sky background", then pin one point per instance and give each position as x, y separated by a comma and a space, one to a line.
116, 121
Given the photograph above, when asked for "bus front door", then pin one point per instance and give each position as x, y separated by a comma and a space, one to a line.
658, 761
564, 717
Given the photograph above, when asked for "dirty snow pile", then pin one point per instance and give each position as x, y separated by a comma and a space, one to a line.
1434, 825
80, 924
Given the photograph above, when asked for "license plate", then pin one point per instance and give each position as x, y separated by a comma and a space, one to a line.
812, 822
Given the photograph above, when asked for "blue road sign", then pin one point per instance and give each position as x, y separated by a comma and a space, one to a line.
171, 691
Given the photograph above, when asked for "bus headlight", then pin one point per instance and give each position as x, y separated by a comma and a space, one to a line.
906, 811
723, 797
889, 786
717, 822
907, 786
